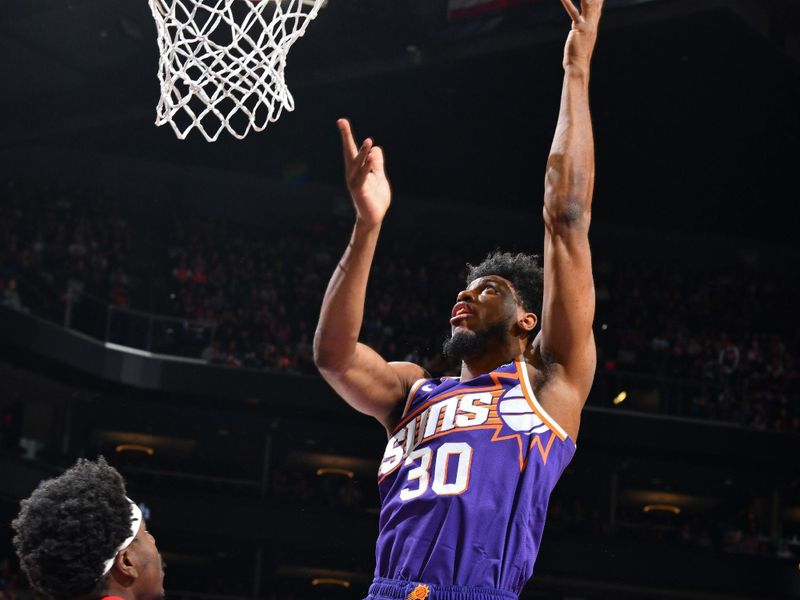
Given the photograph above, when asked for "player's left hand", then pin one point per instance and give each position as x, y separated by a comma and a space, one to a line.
581, 39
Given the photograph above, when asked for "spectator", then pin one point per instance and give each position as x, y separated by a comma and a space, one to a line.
10, 297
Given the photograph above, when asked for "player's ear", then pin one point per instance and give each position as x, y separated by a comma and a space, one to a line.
126, 563
527, 321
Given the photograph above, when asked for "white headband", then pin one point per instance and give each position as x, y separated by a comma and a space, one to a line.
136, 521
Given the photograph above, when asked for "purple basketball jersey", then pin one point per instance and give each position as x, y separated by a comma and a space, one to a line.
465, 482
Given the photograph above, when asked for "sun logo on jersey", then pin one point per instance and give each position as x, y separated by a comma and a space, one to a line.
517, 414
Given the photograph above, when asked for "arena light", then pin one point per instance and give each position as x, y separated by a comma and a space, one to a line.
670, 508
620, 398
335, 471
330, 581
135, 448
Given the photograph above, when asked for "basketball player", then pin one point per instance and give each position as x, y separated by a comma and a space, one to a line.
79, 537
470, 463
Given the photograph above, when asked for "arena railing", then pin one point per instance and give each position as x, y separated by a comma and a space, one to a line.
670, 395
90, 315
124, 326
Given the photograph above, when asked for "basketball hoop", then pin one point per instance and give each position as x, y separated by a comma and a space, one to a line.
222, 62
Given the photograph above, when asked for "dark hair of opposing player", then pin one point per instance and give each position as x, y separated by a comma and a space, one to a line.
522, 270
70, 526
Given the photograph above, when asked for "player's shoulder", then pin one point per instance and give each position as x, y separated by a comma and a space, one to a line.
408, 373
428, 388
411, 376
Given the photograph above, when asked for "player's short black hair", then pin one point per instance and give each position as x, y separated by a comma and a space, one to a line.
522, 270
70, 526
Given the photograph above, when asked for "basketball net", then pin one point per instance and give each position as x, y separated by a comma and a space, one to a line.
222, 62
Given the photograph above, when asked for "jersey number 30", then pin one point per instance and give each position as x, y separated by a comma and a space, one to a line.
419, 478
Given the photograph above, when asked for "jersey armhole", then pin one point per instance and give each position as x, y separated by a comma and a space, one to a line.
411, 393
527, 390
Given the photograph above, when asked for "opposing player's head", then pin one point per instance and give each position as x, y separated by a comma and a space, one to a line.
499, 308
79, 536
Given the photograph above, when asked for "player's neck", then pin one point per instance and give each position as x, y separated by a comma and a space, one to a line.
485, 363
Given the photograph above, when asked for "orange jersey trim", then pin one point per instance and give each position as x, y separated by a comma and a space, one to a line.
527, 391
411, 393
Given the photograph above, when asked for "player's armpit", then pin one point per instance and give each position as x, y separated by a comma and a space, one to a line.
561, 394
373, 386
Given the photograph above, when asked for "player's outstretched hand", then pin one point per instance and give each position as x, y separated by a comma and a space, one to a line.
582, 36
365, 176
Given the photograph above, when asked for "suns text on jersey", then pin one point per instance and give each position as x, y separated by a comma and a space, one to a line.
458, 412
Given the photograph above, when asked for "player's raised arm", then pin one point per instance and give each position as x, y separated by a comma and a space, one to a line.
362, 377
565, 344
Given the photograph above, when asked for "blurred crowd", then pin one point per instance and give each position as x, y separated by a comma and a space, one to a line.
723, 342
260, 288
263, 289
706, 343
59, 239
719, 336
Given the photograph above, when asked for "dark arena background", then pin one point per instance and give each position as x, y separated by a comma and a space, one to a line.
158, 298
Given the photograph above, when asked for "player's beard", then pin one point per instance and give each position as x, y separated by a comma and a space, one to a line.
466, 344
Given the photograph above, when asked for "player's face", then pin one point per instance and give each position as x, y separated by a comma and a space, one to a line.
486, 303
150, 568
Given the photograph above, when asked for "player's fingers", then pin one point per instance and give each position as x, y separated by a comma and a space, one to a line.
348, 143
591, 8
375, 160
573, 11
363, 153
358, 168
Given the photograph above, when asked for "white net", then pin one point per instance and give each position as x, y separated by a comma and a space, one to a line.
222, 62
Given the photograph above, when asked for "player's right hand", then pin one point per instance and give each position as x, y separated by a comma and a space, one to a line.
583, 35
365, 176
